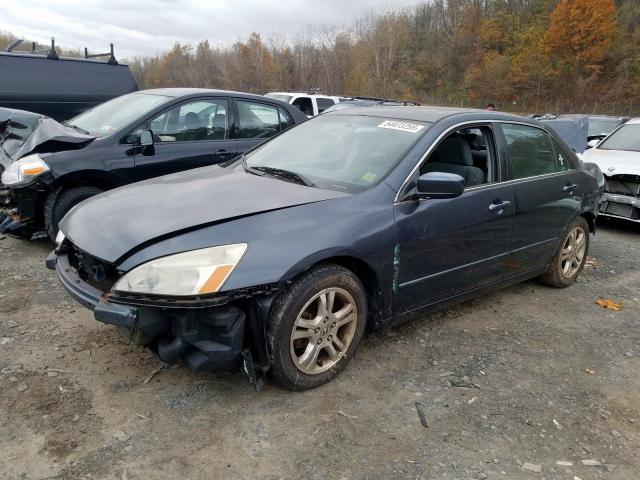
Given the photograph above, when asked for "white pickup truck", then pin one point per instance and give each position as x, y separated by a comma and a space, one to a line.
310, 104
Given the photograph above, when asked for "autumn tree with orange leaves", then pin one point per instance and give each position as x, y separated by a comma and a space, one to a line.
581, 35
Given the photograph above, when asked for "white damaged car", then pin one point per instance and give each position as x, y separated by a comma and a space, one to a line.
618, 157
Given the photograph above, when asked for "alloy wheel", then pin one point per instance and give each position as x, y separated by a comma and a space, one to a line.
573, 252
323, 331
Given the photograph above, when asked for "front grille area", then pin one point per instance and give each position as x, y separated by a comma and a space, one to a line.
619, 209
628, 185
95, 272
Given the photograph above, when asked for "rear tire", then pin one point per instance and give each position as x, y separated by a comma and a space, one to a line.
569, 260
58, 205
315, 326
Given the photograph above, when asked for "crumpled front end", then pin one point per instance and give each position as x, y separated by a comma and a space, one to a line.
621, 198
219, 332
22, 133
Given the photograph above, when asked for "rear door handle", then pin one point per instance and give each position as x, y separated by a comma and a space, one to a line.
499, 206
569, 188
222, 151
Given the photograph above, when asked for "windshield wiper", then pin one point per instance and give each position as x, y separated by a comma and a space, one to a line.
278, 172
286, 174
76, 127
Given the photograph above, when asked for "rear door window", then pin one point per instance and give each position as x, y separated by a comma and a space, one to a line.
530, 150
257, 120
285, 119
562, 159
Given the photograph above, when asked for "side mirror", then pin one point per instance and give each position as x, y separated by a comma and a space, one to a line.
593, 143
440, 185
146, 138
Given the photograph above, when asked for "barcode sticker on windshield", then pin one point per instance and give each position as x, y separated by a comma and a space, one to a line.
404, 126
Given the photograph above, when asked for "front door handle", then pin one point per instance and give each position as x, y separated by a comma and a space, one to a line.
499, 206
223, 151
569, 188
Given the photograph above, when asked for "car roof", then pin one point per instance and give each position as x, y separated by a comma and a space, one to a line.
306, 94
183, 92
429, 114
634, 120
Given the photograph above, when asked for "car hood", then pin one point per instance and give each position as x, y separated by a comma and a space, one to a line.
614, 162
22, 133
112, 224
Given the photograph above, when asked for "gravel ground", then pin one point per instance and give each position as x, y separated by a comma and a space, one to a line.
509, 385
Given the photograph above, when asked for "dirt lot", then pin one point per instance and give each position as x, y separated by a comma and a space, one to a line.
552, 377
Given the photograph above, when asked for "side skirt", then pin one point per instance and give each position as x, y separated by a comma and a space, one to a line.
416, 313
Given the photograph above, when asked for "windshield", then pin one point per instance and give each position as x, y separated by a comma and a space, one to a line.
339, 152
115, 114
278, 96
626, 137
602, 126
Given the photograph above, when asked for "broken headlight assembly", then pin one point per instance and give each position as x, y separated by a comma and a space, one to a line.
24, 171
197, 272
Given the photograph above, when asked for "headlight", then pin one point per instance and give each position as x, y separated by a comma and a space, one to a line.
190, 273
24, 171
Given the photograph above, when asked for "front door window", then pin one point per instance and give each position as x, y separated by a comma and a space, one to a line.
192, 121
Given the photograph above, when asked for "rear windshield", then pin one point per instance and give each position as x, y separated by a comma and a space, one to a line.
115, 114
340, 152
626, 137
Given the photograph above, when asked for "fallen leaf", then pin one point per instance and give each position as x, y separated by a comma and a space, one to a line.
590, 262
610, 305
590, 371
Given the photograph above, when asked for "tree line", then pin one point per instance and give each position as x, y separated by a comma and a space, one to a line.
564, 56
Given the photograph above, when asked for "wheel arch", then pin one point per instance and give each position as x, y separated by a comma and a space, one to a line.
364, 272
85, 178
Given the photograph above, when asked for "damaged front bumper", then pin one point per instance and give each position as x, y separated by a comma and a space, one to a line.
206, 336
18, 213
620, 206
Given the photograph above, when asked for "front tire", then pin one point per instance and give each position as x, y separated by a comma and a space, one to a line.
58, 205
315, 326
569, 260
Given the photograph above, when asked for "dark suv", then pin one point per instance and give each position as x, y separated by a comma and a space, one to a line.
132, 138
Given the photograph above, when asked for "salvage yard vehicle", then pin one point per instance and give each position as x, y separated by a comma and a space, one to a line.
618, 156
128, 139
601, 125
356, 219
311, 104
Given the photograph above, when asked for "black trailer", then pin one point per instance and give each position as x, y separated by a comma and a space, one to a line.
60, 87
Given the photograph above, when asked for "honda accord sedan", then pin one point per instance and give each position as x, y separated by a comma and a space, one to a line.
358, 219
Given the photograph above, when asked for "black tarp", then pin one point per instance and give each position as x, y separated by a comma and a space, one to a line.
574, 130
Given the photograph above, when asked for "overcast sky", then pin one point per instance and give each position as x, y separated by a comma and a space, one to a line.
146, 27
